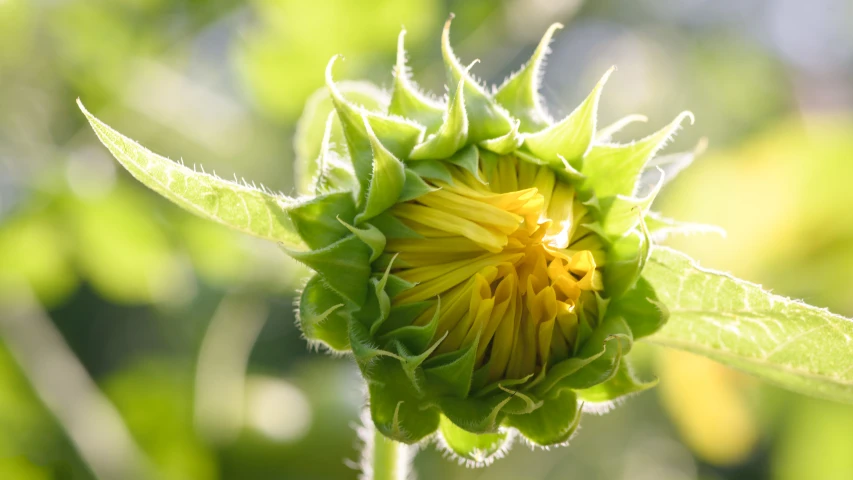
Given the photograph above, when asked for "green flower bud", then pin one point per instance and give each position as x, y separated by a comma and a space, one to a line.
479, 260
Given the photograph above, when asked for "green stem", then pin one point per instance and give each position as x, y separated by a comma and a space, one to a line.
390, 459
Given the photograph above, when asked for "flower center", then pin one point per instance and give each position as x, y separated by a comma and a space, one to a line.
512, 261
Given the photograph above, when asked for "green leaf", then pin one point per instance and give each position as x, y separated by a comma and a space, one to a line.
520, 93
472, 449
248, 209
321, 316
615, 169
569, 139
551, 424
783, 341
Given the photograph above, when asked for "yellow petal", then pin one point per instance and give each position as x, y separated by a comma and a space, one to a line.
438, 219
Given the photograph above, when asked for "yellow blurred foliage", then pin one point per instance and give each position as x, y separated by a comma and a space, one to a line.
816, 442
20, 468
709, 406
783, 198
283, 61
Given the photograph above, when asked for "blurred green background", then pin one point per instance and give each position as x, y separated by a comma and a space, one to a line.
187, 329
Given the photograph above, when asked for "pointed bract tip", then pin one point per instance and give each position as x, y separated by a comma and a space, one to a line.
607, 74
450, 59
401, 49
85, 111
600, 85
330, 82
546, 39
445, 32
329, 67
685, 114
446, 49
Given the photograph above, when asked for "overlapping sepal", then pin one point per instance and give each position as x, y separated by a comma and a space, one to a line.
407, 100
323, 318
568, 140
472, 449
486, 118
396, 134
322, 163
614, 169
452, 132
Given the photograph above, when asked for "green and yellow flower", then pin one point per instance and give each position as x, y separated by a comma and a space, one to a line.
481, 257
480, 261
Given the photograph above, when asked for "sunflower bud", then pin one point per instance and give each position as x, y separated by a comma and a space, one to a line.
479, 260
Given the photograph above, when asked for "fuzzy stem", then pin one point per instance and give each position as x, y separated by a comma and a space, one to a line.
390, 458
381, 457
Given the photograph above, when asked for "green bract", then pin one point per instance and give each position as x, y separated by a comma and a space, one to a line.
480, 261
